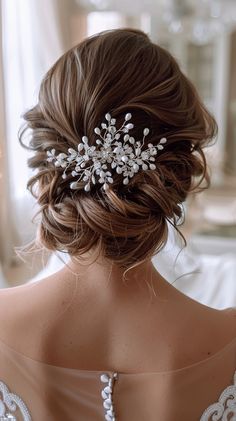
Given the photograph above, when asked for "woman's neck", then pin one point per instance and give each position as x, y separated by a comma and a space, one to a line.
112, 281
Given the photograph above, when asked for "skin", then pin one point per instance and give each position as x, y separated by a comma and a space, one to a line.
86, 316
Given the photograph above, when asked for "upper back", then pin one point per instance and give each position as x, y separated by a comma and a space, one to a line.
56, 393
61, 324
175, 380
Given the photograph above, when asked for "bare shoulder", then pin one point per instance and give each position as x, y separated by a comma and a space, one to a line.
13, 308
10, 296
23, 312
229, 324
19, 302
220, 326
229, 315
31, 312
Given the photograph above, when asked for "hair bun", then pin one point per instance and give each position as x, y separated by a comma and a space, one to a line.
121, 71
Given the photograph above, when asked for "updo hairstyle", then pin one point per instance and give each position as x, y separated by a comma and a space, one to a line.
117, 71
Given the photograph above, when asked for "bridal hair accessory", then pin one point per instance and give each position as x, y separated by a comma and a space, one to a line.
95, 164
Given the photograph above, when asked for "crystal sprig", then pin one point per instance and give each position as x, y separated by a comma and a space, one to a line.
115, 151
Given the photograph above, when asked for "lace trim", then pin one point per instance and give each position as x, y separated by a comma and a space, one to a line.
225, 408
107, 395
9, 402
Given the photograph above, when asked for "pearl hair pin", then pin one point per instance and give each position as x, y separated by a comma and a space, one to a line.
115, 151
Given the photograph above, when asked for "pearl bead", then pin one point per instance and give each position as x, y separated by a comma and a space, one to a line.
87, 187
124, 158
80, 147
104, 395
110, 412
74, 185
129, 126
106, 405
104, 378
128, 116
108, 116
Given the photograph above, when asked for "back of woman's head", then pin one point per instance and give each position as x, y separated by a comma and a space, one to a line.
119, 71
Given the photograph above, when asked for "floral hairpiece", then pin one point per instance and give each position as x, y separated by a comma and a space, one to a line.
95, 164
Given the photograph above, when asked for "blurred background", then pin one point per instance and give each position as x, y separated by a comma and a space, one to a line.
202, 37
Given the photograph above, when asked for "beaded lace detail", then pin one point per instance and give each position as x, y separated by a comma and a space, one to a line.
9, 402
107, 395
225, 408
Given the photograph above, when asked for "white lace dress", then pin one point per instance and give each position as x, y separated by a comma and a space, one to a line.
31, 390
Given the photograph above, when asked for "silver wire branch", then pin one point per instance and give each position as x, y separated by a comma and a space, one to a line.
115, 151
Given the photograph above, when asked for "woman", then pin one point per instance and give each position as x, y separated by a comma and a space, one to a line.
117, 139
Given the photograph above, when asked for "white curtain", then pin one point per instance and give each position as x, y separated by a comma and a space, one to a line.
34, 35
5, 227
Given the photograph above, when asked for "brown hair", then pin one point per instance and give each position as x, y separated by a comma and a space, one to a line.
117, 71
